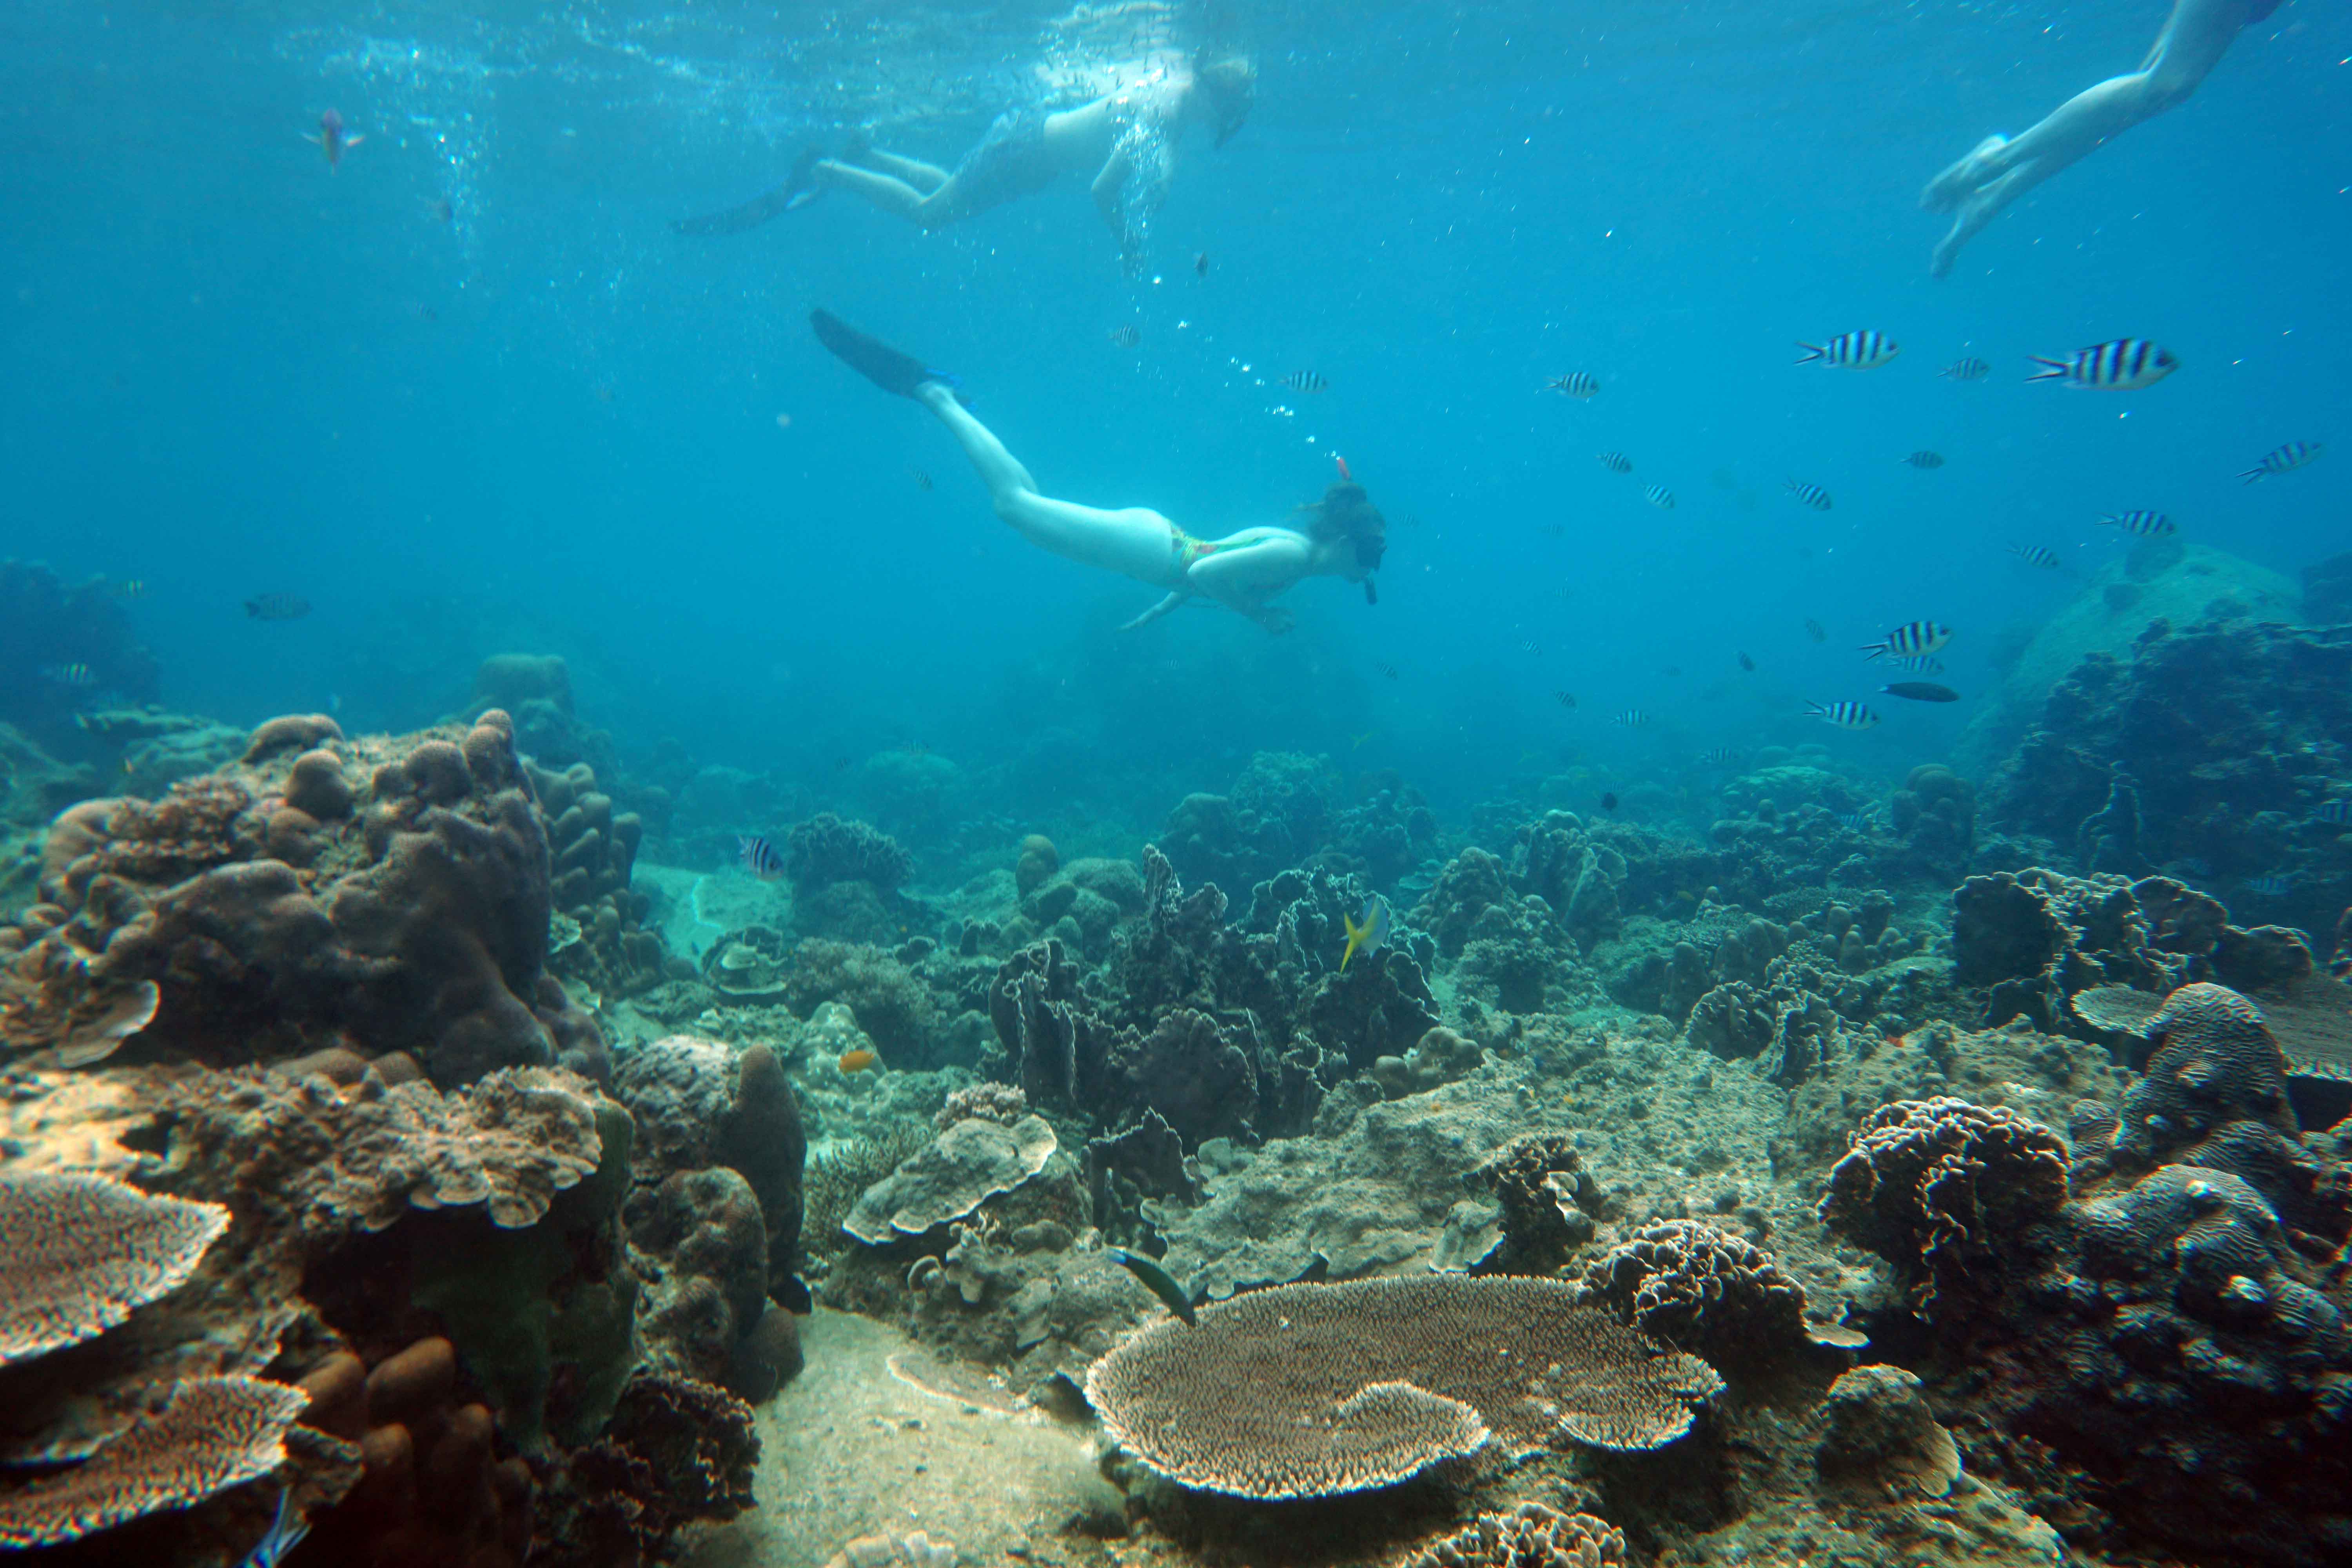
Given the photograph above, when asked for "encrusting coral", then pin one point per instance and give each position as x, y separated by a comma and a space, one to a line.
1307, 1391
1695, 1287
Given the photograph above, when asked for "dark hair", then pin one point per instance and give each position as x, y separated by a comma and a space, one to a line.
1347, 512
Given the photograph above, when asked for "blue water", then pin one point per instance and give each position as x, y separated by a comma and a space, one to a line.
548, 424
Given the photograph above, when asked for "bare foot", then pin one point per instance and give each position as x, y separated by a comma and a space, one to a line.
1946, 190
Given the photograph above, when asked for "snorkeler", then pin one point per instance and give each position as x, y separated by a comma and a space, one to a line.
1126, 139
1342, 535
1977, 187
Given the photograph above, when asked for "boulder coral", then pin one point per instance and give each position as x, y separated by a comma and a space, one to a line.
414, 922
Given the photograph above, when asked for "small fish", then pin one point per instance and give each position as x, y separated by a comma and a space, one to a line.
1157, 1280
1921, 691
1127, 336
1673, 669
1530, 646
1842, 715
922, 480
1913, 637
856, 1060
603, 392
1924, 458
285, 1532
1565, 699
2339, 812
1358, 742
1609, 802
759, 856
2147, 524
1200, 265
2035, 555
2192, 867
2284, 460
333, 139
1718, 757
1554, 531
1856, 820
1851, 350
2121, 364
1368, 937
75, 675
1747, 664
1305, 381
130, 588
1813, 630
1347, 475
277, 606
2271, 887
1966, 368
1918, 664
1617, 462
445, 209
1811, 495
1632, 719
1575, 384
1660, 497
1387, 670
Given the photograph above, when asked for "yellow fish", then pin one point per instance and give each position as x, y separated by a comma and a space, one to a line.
1370, 936
857, 1060
1358, 742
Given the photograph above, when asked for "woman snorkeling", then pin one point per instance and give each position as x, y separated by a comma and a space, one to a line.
1977, 188
1127, 139
1342, 535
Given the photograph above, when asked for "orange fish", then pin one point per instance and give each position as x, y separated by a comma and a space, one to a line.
1343, 467
857, 1060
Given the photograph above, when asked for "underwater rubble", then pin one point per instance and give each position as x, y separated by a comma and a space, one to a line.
1821, 1182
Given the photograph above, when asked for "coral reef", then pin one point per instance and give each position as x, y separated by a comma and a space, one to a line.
676, 1450
1939, 1188
47, 626
1877, 1431
592, 851
2216, 727
1307, 1390
973, 1160
415, 920
1531, 1536
890, 1004
1695, 1287
83, 1252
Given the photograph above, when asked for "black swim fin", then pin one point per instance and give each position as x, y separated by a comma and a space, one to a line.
872, 358
797, 190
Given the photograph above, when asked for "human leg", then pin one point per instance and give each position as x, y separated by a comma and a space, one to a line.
924, 177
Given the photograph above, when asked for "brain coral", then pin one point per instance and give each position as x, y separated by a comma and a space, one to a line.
1317, 1390
1532, 1536
79, 1254
1935, 1186
216, 1431
1693, 1285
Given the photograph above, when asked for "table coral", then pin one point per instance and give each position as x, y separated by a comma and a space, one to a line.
1307, 1390
80, 1253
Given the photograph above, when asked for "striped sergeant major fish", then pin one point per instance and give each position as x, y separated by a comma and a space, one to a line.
75, 674
1851, 350
2284, 460
1575, 384
2147, 524
1660, 497
1632, 719
2121, 364
1617, 462
1924, 458
1718, 757
2035, 555
2271, 887
2337, 813
1305, 381
1970, 368
759, 856
1811, 495
1913, 636
1918, 664
1842, 715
